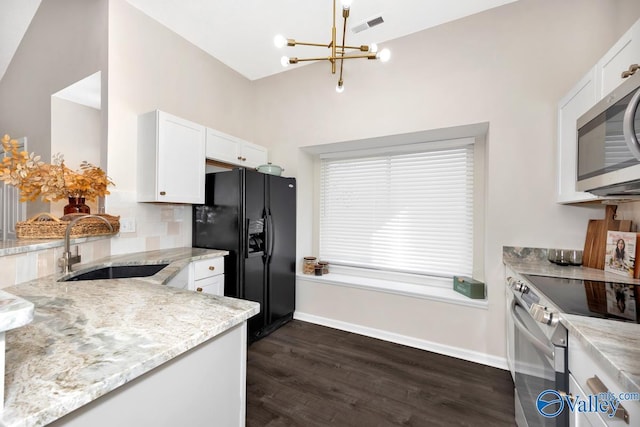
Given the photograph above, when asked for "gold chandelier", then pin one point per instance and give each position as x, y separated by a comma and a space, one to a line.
338, 52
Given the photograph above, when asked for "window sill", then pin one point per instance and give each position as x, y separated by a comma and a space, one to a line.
435, 293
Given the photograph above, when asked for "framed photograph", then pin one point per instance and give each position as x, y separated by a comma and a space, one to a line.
620, 255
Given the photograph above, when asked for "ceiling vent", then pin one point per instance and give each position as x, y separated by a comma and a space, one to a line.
369, 23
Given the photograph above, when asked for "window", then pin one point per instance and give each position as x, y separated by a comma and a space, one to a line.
408, 211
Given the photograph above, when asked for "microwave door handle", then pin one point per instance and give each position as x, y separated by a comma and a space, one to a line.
545, 349
628, 125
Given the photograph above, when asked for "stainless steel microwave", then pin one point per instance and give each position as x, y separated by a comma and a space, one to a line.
608, 143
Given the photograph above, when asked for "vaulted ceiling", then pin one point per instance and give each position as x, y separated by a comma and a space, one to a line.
240, 33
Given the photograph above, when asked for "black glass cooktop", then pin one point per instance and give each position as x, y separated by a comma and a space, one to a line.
607, 300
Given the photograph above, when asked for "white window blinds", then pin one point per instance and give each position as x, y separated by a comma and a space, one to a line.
406, 212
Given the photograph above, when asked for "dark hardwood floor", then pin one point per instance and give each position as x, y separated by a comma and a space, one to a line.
309, 375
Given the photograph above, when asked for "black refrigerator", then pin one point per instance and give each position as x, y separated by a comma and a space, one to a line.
253, 216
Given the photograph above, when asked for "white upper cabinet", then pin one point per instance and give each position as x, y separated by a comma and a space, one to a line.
171, 159
232, 150
601, 80
618, 59
253, 155
579, 99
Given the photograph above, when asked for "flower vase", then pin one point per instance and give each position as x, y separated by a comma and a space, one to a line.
76, 205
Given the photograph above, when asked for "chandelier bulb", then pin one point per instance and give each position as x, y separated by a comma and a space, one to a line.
340, 87
384, 55
346, 4
280, 41
284, 61
373, 48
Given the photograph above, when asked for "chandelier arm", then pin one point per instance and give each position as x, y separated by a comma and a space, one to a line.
363, 48
344, 32
366, 55
313, 44
321, 58
333, 41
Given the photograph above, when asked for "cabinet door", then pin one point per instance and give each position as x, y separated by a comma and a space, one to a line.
570, 108
181, 160
625, 52
171, 163
582, 419
212, 285
222, 147
253, 155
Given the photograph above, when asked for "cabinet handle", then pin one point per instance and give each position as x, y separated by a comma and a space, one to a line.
244, 159
239, 157
163, 193
569, 396
597, 386
631, 71
198, 289
211, 267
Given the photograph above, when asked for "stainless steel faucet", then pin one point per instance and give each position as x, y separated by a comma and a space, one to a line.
67, 259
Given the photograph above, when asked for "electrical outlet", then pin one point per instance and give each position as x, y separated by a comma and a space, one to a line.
127, 225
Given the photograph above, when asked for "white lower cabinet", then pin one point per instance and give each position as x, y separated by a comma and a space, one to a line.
581, 419
206, 276
205, 386
590, 384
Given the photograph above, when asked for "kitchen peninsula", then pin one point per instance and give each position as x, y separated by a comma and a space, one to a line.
127, 351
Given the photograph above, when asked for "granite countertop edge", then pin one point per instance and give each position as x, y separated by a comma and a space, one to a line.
616, 345
155, 324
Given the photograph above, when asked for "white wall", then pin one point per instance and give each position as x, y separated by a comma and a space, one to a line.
65, 42
152, 68
508, 66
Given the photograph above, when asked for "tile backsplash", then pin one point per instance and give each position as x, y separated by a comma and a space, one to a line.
157, 225
27, 266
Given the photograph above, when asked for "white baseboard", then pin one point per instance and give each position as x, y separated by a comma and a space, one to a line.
459, 353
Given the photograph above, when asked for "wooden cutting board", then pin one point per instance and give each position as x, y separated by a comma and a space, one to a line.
596, 239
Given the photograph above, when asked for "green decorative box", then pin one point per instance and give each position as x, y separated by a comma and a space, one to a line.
469, 287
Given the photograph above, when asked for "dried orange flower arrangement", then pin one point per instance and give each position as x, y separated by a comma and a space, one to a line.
53, 181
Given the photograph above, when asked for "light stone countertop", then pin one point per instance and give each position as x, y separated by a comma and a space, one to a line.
90, 337
14, 311
615, 344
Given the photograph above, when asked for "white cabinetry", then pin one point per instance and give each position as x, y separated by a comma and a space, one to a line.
590, 378
206, 276
205, 386
603, 78
230, 149
171, 159
624, 53
582, 419
581, 97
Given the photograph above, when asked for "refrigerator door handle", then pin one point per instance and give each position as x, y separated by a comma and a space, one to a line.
246, 239
272, 234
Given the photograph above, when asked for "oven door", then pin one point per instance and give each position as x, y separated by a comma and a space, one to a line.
537, 369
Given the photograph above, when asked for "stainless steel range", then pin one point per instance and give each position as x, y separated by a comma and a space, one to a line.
539, 353
538, 341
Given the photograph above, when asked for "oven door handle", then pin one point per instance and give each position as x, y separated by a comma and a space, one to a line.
628, 125
545, 349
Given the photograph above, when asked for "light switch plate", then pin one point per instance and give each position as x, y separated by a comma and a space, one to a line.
127, 225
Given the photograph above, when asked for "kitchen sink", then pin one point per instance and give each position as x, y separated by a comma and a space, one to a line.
117, 272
